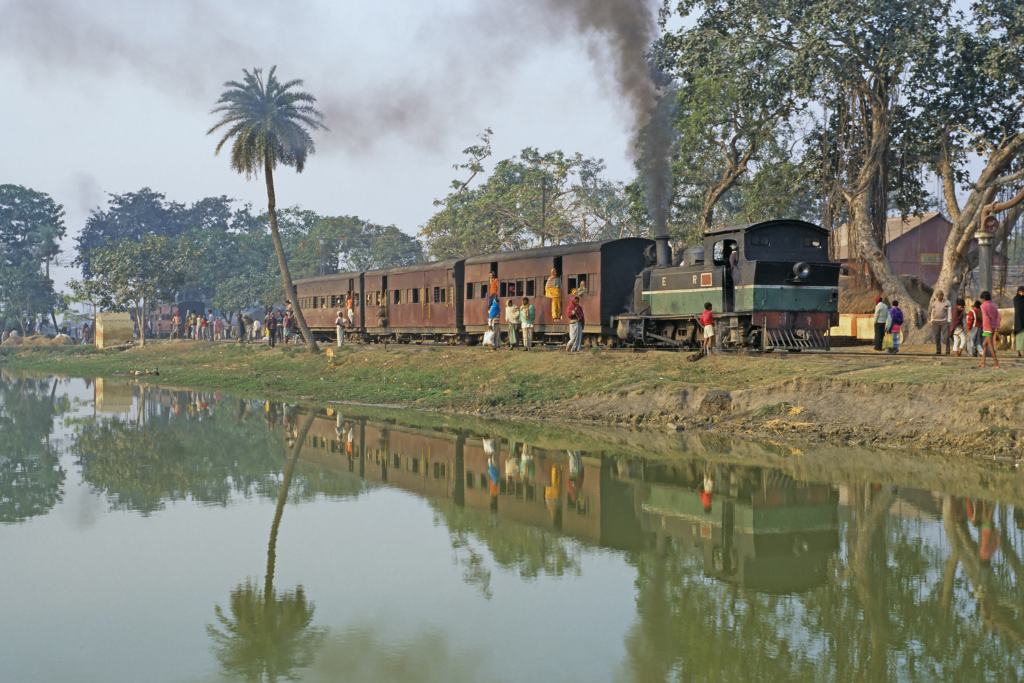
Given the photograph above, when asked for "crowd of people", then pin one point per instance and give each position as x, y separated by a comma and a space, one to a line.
956, 328
275, 326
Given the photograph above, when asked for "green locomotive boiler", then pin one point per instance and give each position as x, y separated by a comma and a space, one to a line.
771, 286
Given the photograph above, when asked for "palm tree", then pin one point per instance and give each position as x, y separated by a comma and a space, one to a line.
264, 635
269, 122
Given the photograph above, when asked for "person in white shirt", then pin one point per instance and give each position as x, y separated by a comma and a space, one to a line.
881, 316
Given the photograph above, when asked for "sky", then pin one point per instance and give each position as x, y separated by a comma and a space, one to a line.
109, 96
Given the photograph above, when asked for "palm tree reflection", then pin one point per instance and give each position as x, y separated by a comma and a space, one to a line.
264, 635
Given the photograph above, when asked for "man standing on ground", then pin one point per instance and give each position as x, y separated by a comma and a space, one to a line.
956, 328
511, 321
989, 328
938, 318
1018, 321
270, 322
527, 314
241, 327
493, 318
339, 327
881, 315
576, 322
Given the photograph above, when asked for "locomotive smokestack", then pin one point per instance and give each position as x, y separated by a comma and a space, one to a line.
629, 28
655, 142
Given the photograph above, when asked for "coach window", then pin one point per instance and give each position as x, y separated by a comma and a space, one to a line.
416, 295
483, 290
397, 296
470, 479
520, 287
531, 287
503, 290
444, 297
437, 295
469, 290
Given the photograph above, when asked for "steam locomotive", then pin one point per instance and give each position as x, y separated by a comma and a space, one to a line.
771, 286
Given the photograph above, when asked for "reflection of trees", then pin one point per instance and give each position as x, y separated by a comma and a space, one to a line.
31, 478
140, 464
266, 635
361, 653
692, 628
529, 550
999, 612
893, 607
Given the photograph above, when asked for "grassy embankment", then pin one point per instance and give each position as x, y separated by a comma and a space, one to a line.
880, 400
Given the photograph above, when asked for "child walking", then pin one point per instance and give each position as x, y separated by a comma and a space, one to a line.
707, 321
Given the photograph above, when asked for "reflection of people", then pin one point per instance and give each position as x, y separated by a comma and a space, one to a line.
526, 466
553, 496
575, 482
980, 513
553, 291
492, 477
707, 488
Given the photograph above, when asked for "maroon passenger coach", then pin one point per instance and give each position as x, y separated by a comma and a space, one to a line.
605, 271
447, 300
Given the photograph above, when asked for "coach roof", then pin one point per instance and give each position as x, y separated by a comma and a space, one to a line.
763, 224
556, 250
416, 267
326, 278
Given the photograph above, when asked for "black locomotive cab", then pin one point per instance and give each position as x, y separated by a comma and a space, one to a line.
770, 284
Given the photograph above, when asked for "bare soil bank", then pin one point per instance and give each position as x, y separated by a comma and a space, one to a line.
924, 403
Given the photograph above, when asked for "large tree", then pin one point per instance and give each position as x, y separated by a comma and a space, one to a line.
134, 275
532, 199
352, 243
735, 96
268, 123
128, 216
970, 119
31, 227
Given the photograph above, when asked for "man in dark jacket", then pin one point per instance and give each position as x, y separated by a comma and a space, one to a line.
1018, 321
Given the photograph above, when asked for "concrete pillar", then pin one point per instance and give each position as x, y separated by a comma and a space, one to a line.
985, 261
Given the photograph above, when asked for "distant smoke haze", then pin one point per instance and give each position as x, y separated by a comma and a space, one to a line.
182, 48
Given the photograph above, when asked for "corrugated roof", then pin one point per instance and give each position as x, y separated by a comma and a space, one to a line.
895, 227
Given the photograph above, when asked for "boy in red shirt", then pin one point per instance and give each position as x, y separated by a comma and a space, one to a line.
707, 322
989, 327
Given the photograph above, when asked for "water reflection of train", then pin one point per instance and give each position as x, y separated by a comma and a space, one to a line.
754, 527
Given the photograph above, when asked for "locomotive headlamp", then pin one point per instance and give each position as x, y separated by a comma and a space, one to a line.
801, 270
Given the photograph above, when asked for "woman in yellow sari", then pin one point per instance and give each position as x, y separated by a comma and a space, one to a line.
553, 291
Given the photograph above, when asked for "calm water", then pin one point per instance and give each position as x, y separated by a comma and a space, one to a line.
156, 535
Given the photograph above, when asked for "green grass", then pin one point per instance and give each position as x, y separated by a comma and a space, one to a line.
462, 379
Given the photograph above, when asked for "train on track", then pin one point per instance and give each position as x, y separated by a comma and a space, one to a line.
771, 286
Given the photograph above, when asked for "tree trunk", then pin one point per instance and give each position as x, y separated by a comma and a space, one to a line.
966, 220
282, 498
861, 199
282, 262
139, 320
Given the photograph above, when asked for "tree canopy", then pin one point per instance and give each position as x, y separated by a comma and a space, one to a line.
31, 227
529, 200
